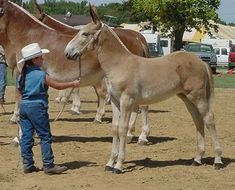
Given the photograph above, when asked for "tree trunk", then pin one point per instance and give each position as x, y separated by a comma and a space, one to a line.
178, 43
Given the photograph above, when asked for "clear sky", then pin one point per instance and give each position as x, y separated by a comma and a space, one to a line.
226, 10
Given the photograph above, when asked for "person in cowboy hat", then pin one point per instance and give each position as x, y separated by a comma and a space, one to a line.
33, 84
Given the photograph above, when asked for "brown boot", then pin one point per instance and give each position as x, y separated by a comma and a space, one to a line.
55, 170
31, 170
2, 100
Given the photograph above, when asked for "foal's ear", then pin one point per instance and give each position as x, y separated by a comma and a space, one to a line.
94, 14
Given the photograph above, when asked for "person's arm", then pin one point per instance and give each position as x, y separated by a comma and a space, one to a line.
61, 85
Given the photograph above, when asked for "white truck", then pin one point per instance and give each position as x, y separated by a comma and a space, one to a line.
153, 40
158, 45
221, 48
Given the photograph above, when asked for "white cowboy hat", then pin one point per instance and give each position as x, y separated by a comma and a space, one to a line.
29, 52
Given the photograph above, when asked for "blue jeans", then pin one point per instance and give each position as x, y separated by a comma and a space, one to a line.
3, 79
34, 117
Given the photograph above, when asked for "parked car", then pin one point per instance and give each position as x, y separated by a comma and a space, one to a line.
204, 52
231, 58
222, 54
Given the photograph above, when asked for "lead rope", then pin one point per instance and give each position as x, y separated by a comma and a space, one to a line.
79, 55
70, 93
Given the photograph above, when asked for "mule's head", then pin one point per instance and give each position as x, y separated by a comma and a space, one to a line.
85, 38
3, 15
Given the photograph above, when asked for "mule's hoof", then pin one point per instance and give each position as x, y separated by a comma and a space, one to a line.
196, 163
108, 168
97, 121
75, 112
129, 139
218, 166
11, 122
142, 142
15, 142
117, 171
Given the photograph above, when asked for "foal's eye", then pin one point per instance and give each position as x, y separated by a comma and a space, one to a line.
86, 34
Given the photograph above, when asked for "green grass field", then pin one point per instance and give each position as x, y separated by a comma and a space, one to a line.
221, 81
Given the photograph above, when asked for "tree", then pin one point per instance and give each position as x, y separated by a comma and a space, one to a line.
177, 16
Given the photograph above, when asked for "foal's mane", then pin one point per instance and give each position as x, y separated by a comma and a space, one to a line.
20, 9
117, 38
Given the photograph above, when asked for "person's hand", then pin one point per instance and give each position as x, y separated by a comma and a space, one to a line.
76, 83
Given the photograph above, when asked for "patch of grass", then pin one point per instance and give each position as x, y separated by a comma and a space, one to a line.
224, 81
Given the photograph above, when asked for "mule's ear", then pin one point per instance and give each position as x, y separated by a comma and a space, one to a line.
37, 8
94, 14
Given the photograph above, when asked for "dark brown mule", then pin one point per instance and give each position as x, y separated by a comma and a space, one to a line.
137, 81
134, 41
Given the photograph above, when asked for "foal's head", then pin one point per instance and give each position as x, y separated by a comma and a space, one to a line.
85, 38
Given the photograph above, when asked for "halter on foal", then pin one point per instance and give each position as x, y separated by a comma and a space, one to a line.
141, 81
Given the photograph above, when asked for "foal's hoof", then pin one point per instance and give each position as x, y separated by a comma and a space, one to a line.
218, 166
196, 163
117, 171
108, 168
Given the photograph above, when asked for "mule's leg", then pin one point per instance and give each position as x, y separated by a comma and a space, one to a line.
115, 145
198, 120
58, 98
101, 92
145, 127
76, 102
126, 106
15, 117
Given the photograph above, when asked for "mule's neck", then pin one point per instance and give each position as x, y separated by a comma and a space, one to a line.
22, 22
59, 26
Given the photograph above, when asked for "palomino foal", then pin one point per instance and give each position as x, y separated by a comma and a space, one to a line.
141, 81
133, 40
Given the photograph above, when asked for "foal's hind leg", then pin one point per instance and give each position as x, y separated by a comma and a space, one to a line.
208, 118
145, 126
198, 120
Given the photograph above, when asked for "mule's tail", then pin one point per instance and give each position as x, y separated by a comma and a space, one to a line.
145, 49
210, 87
144, 45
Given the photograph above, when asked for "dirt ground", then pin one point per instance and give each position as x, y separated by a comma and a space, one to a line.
84, 147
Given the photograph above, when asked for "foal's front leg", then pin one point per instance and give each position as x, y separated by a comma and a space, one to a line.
115, 145
126, 105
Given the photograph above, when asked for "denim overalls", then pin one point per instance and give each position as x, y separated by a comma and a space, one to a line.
34, 117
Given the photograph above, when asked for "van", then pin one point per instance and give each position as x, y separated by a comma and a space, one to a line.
222, 54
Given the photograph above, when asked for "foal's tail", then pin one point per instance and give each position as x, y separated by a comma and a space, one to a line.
210, 94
